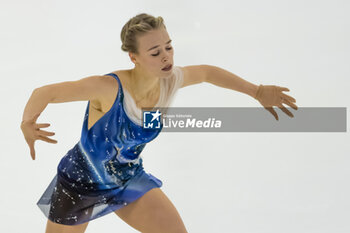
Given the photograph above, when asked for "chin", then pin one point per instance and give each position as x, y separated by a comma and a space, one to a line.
167, 74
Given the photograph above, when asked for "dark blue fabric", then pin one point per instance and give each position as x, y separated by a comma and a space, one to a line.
103, 171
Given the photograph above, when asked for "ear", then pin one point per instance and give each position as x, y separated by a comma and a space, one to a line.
132, 57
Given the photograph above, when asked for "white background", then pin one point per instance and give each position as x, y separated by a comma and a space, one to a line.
219, 182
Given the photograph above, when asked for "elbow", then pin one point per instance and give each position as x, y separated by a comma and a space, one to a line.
208, 74
44, 93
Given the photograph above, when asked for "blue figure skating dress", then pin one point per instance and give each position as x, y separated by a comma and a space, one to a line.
104, 170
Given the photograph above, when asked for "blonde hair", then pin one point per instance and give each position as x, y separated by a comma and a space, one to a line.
137, 26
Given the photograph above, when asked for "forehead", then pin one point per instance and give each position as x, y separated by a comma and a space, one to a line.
153, 38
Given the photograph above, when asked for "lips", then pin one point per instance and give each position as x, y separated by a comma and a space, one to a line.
168, 67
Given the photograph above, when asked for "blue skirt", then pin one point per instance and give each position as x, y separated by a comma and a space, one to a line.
64, 203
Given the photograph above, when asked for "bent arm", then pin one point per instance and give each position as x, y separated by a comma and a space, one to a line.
223, 78
37, 102
92, 88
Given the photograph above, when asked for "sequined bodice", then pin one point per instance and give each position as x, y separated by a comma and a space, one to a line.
115, 135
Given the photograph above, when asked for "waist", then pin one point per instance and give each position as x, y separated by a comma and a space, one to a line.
122, 161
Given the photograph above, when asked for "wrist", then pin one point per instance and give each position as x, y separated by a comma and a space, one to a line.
24, 121
256, 91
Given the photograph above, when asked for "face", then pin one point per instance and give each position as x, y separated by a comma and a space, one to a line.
155, 52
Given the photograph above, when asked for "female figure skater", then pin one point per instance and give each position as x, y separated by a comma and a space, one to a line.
103, 172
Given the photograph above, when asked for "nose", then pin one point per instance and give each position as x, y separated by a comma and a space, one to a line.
166, 56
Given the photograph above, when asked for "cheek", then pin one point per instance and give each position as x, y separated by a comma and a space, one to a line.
154, 64
151, 61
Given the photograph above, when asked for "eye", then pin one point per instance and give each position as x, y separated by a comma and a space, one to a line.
154, 55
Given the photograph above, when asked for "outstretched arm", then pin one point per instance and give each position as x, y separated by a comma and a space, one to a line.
267, 95
217, 76
226, 79
91, 88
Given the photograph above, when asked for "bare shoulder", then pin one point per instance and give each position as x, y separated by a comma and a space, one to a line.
194, 74
110, 89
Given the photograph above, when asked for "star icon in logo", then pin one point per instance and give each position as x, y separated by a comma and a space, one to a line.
156, 115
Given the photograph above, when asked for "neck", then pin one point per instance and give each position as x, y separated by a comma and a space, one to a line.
144, 85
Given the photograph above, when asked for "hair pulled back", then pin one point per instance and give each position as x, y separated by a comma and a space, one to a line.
138, 26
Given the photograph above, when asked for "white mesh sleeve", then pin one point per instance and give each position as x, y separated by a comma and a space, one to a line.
171, 85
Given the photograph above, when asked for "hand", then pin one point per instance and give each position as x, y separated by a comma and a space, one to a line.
271, 95
32, 132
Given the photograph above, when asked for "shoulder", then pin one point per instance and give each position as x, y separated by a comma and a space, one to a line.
111, 81
109, 87
194, 74
123, 76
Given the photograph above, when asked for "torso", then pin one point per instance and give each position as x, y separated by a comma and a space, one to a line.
99, 108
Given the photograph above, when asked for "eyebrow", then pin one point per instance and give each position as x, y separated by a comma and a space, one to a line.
157, 46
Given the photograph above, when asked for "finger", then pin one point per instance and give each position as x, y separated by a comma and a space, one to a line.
291, 99
32, 151
32, 154
283, 89
45, 133
46, 139
270, 109
286, 111
295, 107
44, 125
